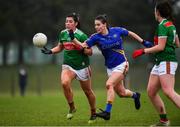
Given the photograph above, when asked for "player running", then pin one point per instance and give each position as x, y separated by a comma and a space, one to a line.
75, 64
109, 41
162, 75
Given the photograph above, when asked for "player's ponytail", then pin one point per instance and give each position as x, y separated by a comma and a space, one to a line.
103, 19
76, 18
165, 9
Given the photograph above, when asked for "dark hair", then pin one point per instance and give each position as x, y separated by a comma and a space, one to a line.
165, 9
76, 18
103, 19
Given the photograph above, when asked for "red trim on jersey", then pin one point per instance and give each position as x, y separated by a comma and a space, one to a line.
168, 67
168, 24
156, 40
89, 70
71, 46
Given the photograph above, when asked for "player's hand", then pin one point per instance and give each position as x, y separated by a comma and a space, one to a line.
87, 51
46, 51
137, 53
71, 34
147, 44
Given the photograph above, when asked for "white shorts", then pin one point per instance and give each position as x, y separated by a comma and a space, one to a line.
122, 68
82, 74
164, 68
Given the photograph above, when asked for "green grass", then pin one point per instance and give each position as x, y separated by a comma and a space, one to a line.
51, 108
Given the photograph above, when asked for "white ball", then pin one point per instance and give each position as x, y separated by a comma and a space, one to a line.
40, 40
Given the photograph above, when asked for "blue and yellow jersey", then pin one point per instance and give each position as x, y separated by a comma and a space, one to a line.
110, 45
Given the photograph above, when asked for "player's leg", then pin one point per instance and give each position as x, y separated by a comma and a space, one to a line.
123, 92
167, 79
86, 87
152, 90
167, 84
111, 82
66, 78
84, 77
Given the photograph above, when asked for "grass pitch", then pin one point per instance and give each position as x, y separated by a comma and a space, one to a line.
50, 110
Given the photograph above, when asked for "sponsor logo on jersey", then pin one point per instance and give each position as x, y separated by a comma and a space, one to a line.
115, 36
106, 46
71, 46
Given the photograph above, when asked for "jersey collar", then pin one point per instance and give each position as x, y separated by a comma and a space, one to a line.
76, 30
162, 21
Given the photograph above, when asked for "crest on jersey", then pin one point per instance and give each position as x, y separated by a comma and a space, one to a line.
114, 35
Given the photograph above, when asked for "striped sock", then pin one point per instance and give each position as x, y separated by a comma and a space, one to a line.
163, 117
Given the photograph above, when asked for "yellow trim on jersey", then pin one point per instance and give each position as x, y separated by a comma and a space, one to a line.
121, 52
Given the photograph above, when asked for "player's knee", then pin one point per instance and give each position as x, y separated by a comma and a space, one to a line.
88, 92
109, 85
122, 94
65, 84
168, 93
150, 92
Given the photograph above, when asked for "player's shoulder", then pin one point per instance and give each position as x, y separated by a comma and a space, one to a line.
117, 28
166, 24
64, 31
80, 32
95, 35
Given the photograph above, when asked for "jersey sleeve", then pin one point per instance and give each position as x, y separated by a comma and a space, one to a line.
91, 41
83, 38
162, 31
60, 37
124, 31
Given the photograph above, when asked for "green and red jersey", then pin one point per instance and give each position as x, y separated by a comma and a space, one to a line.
73, 55
166, 29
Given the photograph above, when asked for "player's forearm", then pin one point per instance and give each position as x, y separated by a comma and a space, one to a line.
77, 42
154, 49
88, 51
57, 49
135, 36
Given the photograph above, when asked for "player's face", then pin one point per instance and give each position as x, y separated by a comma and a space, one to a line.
70, 23
99, 26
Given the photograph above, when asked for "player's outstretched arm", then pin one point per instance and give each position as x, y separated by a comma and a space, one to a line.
54, 50
137, 53
147, 44
86, 50
57, 49
156, 48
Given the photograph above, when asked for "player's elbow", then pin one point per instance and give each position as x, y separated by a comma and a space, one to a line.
160, 48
